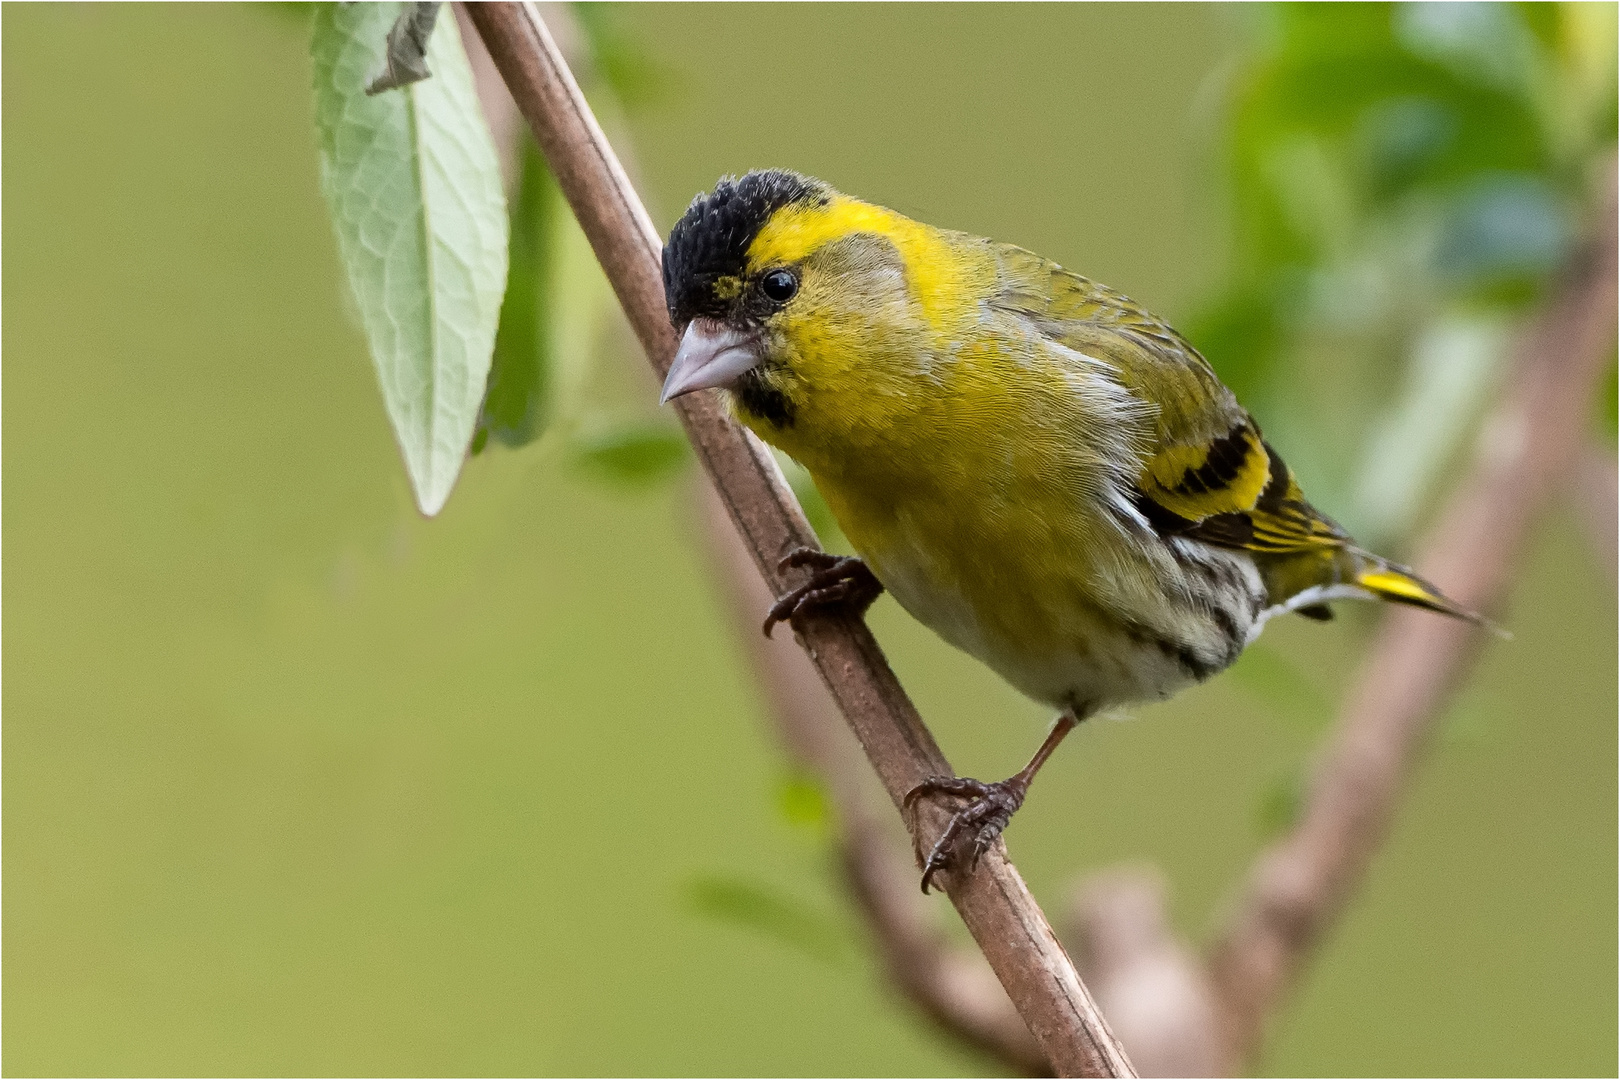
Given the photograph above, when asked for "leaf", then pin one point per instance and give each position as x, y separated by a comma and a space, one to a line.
1478, 42
631, 73
636, 454
1505, 225
768, 913
1448, 379
1279, 804
514, 410
414, 187
802, 801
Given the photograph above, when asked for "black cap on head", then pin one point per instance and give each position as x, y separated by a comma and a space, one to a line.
711, 239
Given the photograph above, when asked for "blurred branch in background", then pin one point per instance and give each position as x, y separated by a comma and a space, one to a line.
993, 901
1529, 448
1180, 1016
1150, 984
1596, 493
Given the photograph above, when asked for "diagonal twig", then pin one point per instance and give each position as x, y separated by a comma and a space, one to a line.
993, 901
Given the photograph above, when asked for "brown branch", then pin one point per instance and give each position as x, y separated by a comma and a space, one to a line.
501, 113
994, 903
1298, 886
1153, 988
957, 990
1596, 491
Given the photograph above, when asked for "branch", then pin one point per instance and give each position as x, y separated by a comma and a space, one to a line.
994, 903
1596, 491
958, 991
1298, 886
1153, 988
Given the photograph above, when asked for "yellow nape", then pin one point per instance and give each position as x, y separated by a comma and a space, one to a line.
936, 274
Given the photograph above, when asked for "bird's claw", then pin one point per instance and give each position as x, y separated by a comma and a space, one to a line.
838, 581
990, 807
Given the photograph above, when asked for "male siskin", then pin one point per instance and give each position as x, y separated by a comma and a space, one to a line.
1045, 474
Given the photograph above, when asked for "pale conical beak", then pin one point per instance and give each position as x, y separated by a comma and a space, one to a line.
711, 354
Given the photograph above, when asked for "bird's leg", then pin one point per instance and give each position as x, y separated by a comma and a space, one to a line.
990, 806
839, 581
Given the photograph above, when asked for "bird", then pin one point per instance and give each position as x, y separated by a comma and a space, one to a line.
1038, 469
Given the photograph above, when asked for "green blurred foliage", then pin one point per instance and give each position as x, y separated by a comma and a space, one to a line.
1396, 172
514, 408
632, 452
1404, 180
772, 914
1279, 804
519, 404
801, 799
618, 57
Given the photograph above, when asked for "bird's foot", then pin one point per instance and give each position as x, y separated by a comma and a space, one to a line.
840, 582
975, 826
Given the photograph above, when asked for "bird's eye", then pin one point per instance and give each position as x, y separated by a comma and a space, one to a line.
779, 286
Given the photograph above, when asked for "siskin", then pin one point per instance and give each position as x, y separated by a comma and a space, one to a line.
1048, 476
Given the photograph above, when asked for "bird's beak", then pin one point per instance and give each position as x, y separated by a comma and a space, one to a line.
711, 354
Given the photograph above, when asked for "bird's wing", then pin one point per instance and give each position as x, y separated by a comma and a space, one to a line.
1206, 472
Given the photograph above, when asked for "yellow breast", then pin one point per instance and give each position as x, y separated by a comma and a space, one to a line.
980, 503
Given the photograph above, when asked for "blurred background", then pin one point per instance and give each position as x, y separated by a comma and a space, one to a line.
297, 781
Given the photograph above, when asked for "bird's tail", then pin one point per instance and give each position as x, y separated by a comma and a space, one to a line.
1391, 581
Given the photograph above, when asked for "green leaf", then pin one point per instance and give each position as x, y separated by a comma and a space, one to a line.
629, 70
1280, 802
1505, 225
767, 912
414, 188
802, 801
514, 411
1448, 380
635, 454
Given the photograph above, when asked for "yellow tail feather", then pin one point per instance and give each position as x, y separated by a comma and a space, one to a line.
1390, 582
